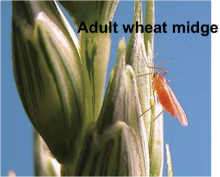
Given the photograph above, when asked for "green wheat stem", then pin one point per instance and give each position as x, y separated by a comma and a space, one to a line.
149, 19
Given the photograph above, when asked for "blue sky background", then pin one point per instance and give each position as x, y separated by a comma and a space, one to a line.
190, 75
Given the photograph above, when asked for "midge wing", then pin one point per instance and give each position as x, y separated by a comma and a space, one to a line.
180, 114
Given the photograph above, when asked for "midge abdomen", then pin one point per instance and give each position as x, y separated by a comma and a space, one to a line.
166, 101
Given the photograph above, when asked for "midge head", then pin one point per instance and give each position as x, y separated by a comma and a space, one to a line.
155, 74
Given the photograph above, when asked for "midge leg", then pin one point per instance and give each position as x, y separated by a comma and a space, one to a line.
151, 106
144, 74
147, 110
158, 115
164, 71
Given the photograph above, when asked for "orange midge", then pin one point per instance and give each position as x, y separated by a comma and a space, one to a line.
166, 96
